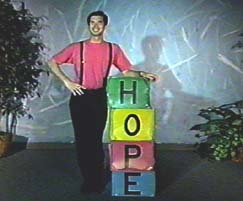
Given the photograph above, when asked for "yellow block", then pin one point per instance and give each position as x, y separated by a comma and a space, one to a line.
132, 124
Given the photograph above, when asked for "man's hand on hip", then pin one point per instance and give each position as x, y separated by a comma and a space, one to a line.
75, 88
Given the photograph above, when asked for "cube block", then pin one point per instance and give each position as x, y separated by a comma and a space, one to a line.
132, 125
128, 92
131, 156
138, 184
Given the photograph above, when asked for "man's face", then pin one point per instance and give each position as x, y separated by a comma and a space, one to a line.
96, 26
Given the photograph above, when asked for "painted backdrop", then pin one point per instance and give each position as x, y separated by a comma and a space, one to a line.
188, 43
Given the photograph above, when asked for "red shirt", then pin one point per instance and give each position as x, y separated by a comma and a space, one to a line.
95, 61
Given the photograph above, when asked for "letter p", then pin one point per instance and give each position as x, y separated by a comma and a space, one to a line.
130, 155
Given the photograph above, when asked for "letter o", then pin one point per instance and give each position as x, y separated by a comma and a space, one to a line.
135, 117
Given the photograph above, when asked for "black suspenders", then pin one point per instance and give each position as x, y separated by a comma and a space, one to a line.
109, 66
82, 63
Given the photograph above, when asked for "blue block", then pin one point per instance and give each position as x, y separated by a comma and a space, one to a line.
136, 184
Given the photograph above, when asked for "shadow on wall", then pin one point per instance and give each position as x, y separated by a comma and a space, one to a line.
175, 109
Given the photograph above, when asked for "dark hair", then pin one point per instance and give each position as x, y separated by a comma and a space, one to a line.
98, 13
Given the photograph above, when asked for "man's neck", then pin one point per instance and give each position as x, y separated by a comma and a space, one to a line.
96, 39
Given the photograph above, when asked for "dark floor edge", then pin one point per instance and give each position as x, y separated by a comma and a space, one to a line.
162, 146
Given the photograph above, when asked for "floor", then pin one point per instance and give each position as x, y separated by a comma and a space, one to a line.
53, 175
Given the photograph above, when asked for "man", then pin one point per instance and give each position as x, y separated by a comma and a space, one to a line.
92, 60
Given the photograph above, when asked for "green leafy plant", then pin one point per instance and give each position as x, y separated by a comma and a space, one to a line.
21, 59
221, 137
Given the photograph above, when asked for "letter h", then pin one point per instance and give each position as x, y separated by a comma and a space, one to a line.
131, 92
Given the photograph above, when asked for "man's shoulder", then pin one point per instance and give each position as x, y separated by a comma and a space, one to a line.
74, 44
77, 42
115, 46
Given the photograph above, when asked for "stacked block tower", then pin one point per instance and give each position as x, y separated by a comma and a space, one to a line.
131, 131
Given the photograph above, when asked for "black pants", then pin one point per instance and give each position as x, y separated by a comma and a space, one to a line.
89, 113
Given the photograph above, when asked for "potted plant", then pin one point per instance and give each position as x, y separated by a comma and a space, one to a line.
221, 136
21, 51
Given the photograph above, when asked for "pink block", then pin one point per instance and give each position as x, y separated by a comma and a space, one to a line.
131, 156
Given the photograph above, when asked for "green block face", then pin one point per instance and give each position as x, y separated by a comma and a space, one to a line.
128, 92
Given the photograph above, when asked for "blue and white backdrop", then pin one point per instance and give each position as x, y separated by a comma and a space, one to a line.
188, 43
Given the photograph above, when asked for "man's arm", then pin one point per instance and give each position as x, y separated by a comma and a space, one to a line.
72, 86
146, 75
